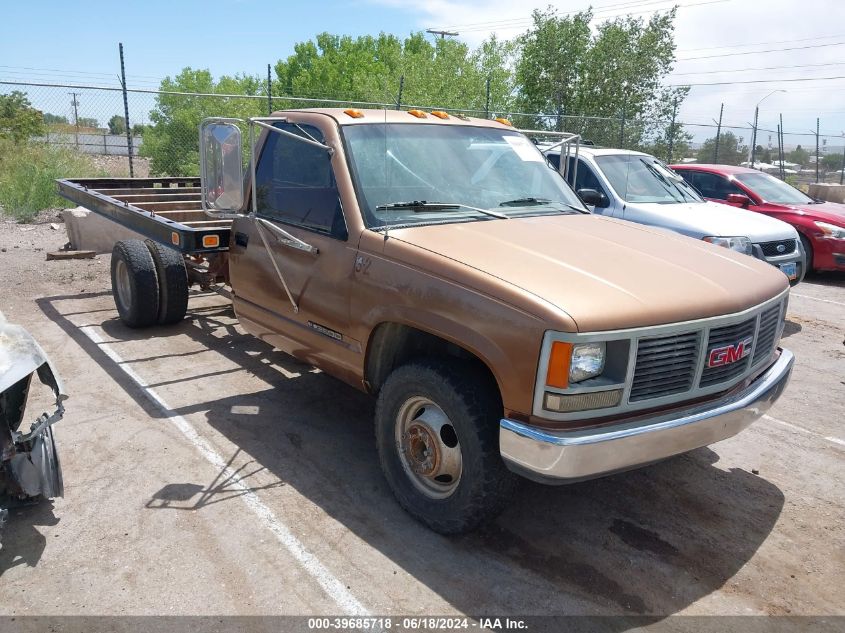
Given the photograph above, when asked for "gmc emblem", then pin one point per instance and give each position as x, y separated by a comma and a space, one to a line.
730, 353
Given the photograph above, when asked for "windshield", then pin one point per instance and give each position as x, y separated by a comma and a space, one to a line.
773, 190
407, 174
638, 178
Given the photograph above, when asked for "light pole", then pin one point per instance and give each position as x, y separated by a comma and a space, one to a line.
754, 129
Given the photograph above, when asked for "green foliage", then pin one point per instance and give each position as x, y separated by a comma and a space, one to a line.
172, 142
28, 173
731, 150
565, 68
53, 119
445, 73
798, 155
19, 121
88, 122
117, 125
832, 162
139, 128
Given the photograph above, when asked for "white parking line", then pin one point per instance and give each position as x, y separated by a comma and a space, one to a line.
333, 587
795, 294
801, 429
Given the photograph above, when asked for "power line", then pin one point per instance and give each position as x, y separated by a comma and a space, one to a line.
803, 39
744, 70
771, 50
759, 81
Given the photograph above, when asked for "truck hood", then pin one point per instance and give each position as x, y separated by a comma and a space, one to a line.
710, 219
604, 273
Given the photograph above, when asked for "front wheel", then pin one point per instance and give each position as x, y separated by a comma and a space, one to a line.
808, 253
437, 426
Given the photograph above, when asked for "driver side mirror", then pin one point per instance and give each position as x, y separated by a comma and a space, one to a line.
738, 198
593, 198
221, 167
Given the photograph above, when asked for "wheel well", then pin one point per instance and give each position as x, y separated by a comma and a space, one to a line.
395, 344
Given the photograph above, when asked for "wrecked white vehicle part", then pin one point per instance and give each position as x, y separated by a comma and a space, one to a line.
29, 463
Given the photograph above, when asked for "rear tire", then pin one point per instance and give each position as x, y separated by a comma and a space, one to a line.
808, 253
134, 283
437, 434
172, 283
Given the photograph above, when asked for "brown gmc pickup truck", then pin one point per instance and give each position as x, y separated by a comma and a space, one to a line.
440, 263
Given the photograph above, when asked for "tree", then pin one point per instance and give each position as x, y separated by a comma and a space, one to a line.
832, 162
53, 119
19, 121
565, 68
172, 141
117, 125
87, 122
444, 74
799, 155
138, 129
731, 150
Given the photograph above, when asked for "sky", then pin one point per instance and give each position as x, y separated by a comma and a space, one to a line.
717, 40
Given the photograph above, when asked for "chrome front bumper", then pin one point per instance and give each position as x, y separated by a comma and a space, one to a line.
567, 456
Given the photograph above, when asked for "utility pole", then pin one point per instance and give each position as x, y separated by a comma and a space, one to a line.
817, 150
718, 133
75, 103
754, 136
269, 92
442, 34
126, 113
487, 101
622, 129
842, 173
782, 149
672, 130
401, 88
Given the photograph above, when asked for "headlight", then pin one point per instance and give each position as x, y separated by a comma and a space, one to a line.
831, 230
738, 244
587, 361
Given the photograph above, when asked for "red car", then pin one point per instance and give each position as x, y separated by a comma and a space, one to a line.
821, 225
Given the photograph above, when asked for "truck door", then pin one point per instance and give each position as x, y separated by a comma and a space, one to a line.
297, 192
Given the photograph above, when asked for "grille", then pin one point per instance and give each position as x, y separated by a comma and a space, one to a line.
720, 337
665, 365
770, 249
769, 322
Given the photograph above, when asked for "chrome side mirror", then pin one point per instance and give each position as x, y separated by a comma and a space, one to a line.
221, 166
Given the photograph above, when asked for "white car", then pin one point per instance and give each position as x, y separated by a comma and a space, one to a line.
638, 187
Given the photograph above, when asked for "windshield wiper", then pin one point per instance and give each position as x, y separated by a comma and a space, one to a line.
524, 202
664, 181
423, 206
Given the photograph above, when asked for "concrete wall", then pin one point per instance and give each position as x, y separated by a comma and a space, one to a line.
87, 231
831, 193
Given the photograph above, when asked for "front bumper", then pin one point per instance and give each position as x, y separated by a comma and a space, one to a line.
567, 456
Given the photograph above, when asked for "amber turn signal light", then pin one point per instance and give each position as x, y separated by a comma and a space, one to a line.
557, 375
210, 241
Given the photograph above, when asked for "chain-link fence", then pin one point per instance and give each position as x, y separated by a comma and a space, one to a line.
164, 139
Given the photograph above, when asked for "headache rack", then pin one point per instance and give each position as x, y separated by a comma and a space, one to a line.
166, 210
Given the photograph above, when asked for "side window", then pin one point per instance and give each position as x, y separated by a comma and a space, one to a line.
295, 184
585, 178
712, 185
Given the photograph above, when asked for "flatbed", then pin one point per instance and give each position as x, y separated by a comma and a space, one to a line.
166, 210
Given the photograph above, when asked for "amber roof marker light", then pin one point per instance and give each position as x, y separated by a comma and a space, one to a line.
440, 114
418, 113
503, 121
355, 114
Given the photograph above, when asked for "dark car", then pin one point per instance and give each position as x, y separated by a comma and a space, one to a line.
820, 224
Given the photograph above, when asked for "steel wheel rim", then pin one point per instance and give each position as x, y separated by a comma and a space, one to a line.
121, 279
428, 448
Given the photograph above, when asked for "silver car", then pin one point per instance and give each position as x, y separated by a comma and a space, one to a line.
638, 187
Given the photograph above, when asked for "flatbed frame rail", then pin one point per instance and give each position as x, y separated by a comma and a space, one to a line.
166, 210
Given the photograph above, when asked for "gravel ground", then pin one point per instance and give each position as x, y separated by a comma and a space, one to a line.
207, 474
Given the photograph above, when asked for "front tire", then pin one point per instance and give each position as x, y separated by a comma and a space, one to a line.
437, 434
808, 253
